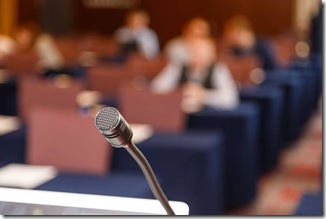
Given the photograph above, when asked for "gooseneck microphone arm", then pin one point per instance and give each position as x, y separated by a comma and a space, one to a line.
150, 177
118, 132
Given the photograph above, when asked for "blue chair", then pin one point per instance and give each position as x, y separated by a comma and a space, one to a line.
240, 128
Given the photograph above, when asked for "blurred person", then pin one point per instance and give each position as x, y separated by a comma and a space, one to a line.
239, 39
7, 46
177, 49
204, 81
28, 38
137, 36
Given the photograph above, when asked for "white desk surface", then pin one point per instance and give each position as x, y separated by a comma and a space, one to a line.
101, 202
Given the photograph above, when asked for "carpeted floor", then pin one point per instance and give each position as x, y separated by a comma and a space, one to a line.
299, 171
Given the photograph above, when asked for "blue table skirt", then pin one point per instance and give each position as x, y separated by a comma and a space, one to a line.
293, 88
270, 100
8, 98
240, 128
313, 67
190, 165
13, 146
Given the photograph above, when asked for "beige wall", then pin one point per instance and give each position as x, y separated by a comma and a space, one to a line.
8, 16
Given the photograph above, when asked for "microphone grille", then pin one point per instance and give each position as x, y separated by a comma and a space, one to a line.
107, 119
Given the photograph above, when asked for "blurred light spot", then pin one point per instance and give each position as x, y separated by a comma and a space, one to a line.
257, 75
302, 49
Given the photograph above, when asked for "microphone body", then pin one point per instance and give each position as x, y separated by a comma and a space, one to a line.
114, 127
118, 132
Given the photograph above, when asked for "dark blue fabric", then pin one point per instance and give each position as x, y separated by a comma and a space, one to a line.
190, 164
13, 146
240, 128
114, 184
317, 31
310, 93
270, 100
310, 205
8, 98
310, 71
293, 88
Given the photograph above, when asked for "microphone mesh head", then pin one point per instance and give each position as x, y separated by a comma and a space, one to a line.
107, 119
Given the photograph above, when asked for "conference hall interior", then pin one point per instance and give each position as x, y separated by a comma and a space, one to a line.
224, 99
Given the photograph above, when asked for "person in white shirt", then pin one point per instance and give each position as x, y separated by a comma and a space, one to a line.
48, 52
136, 31
204, 82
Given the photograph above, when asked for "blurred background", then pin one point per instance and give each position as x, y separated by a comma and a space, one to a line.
57, 17
225, 98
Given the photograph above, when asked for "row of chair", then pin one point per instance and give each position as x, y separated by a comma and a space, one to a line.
220, 167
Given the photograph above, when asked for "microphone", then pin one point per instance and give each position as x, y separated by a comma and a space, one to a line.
114, 127
117, 131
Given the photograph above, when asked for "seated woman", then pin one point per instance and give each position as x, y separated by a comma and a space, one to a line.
204, 81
